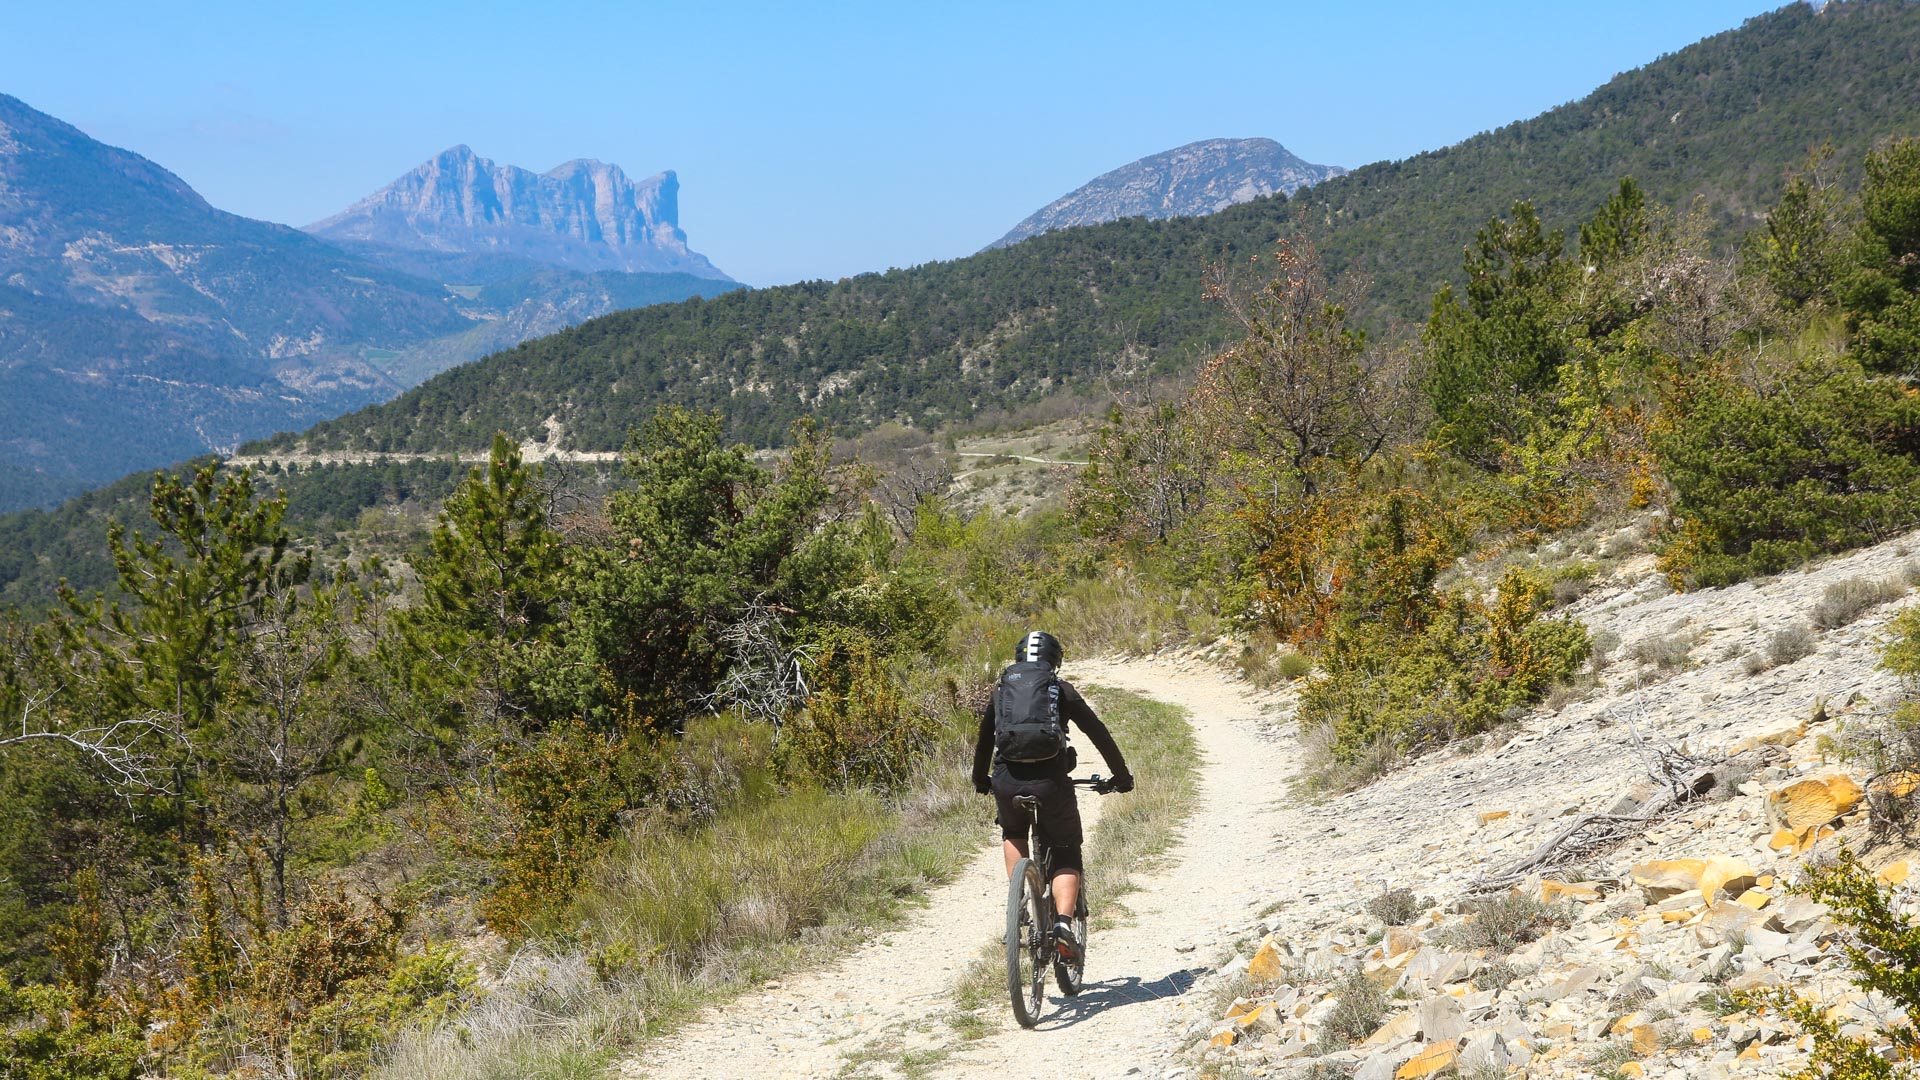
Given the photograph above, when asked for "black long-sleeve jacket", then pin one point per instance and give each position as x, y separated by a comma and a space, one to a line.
1075, 710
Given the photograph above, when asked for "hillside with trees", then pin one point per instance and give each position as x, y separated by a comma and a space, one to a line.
1721, 121
275, 806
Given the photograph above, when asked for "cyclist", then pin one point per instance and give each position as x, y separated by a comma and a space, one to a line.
1009, 744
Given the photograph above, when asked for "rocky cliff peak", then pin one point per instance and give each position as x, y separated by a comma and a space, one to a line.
584, 214
1191, 180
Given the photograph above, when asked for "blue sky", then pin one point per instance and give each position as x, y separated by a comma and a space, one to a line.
812, 140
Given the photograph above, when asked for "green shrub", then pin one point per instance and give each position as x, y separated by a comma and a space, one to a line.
1384, 694
562, 797
858, 729
45, 1034
1882, 947
1769, 473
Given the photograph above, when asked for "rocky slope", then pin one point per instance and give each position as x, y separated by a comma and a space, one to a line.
583, 215
1198, 178
1621, 960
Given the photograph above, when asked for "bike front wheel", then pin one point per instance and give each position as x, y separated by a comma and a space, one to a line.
1027, 943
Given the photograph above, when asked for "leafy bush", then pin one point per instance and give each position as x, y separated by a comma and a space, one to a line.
562, 798
1845, 601
46, 1034
1462, 672
1770, 472
858, 729
1883, 949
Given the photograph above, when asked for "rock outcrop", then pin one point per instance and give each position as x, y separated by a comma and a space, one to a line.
583, 215
1198, 178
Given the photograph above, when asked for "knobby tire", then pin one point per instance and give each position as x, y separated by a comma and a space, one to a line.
1027, 944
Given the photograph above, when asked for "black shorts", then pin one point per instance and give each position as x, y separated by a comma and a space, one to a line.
1057, 825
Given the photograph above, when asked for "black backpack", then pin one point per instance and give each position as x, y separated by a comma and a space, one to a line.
1026, 714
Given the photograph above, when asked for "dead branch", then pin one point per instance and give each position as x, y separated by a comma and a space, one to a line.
121, 749
1681, 777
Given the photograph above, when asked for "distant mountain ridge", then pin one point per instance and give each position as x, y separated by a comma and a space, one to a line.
583, 215
1721, 120
1188, 181
141, 326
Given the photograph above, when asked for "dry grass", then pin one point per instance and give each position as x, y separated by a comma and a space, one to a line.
1666, 652
1361, 1010
1845, 601
1783, 647
1500, 924
676, 919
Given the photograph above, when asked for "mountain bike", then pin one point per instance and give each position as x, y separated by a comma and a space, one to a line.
1030, 922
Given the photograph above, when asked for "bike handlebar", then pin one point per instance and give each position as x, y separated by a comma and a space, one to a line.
1100, 784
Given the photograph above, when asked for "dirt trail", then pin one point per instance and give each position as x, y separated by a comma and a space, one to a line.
886, 1000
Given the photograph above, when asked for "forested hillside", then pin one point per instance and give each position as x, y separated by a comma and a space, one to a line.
1720, 120
287, 806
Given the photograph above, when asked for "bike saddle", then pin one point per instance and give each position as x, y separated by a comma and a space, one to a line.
1030, 803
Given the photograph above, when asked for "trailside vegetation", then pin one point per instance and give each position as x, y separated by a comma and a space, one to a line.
1339, 495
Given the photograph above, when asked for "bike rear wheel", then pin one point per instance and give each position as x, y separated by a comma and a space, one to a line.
1027, 943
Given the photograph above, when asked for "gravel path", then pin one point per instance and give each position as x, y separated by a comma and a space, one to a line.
884, 1004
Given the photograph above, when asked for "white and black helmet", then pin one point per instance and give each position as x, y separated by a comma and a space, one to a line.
1038, 645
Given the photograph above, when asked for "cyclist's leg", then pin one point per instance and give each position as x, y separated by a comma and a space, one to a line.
1066, 879
1059, 828
1015, 821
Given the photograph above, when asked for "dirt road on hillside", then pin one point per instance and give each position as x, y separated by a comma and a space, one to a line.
882, 1008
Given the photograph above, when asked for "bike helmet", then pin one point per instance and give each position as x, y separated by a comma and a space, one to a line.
1038, 645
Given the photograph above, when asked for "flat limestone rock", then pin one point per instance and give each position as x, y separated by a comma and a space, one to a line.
1809, 803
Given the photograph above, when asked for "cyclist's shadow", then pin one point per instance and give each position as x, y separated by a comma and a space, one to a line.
1099, 997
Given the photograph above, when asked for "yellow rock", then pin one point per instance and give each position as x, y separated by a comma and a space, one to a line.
1552, 891
1266, 965
1261, 1013
1899, 785
1895, 873
1679, 916
1764, 881
1434, 1059
1754, 899
1783, 737
1627, 1023
1784, 840
1751, 1053
1223, 1039
1633, 1069
1702, 1035
1488, 817
1725, 873
1665, 877
1240, 1007
1810, 836
1813, 802
1646, 1040
1399, 941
